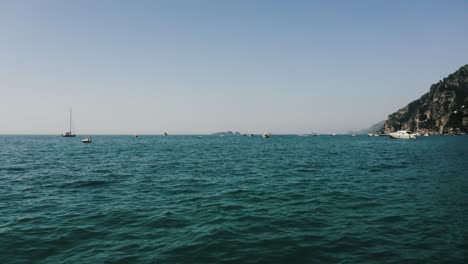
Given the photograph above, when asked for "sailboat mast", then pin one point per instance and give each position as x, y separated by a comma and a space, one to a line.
70, 120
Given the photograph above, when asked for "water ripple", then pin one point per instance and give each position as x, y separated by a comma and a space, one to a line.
182, 199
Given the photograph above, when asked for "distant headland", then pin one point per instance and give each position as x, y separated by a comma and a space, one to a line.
227, 133
442, 110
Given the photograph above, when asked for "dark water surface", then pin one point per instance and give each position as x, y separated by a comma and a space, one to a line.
183, 199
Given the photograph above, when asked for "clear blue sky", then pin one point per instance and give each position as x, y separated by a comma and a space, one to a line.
206, 66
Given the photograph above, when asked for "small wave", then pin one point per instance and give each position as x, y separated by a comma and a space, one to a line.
363, 205
13, 169
386, 167
81, 184
232, 207
167, 221
306, 169
103, 171
390, 219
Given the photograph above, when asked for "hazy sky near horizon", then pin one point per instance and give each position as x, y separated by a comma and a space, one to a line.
207, 66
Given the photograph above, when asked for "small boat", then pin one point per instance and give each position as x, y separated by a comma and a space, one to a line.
86, 140
426, 135
402, 134
353, 135
69, 132
135, 136
266, 135
165, 134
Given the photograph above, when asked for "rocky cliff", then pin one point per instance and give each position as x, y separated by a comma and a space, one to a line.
444, 109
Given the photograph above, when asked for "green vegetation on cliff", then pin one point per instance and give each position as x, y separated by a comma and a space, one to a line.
444, 109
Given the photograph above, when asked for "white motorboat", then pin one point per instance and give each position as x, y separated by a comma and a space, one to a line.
87, 140
266, 135
402, 134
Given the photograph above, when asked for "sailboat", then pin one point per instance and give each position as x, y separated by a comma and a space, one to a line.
69, 133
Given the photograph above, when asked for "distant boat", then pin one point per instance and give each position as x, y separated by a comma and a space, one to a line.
69, 132
165, 134
402, 134
135, 136
87, 140
353, 135
266, 135
426, 135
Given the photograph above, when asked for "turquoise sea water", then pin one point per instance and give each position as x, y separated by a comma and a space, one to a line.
183, 199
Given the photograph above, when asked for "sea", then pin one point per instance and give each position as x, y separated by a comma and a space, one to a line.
233, 199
